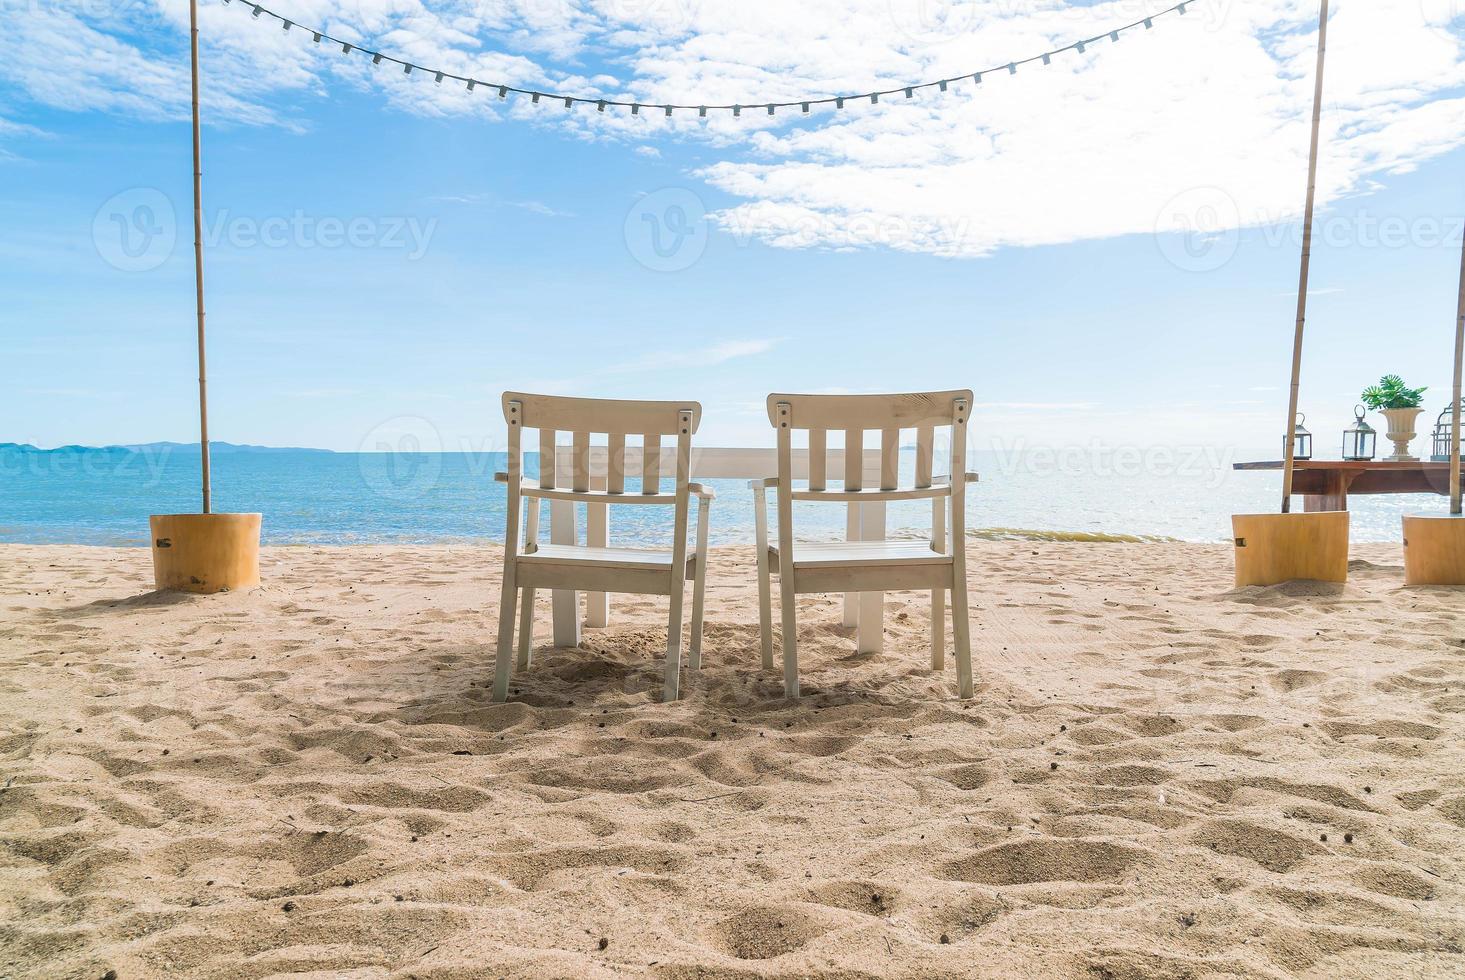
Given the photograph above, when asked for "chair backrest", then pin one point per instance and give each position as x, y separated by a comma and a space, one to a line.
615, 419
890, 415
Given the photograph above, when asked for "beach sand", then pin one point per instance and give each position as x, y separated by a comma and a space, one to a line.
1159, 777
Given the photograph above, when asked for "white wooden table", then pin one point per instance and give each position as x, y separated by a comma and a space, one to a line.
863, 522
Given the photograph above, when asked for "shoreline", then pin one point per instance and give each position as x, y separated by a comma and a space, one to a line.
973, 535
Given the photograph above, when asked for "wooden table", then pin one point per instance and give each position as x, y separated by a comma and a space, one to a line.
1326, 483
863, 522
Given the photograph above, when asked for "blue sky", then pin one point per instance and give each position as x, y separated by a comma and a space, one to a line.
491, 249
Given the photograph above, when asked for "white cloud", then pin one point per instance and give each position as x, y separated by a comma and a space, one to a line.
1118, 140
540, 208
10, 128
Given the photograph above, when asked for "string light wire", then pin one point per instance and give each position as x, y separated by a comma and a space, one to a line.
908, 90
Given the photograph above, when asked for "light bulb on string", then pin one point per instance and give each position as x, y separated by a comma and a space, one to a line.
258, 10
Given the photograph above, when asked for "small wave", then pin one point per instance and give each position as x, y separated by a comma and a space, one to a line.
1089, 537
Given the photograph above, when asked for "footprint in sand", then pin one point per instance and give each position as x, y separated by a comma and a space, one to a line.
1387, 728
1236, 723
527, 870
312, 853
1453, 810
867, 897
1418, 798
1225, 791
1269, 848
1288, 681
1028, 862
444, 799
1131, 776
968, 777
1395, 883
760, 933
1097, 735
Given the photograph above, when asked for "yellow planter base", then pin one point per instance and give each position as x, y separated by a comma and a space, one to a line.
1275, 548
205, 552
1434, 551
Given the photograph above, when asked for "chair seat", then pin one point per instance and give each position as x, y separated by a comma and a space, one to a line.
861, 554
648, 559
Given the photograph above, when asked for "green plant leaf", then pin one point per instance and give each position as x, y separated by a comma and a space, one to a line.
1392, 392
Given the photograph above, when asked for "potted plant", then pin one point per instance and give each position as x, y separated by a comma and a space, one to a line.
1400, 404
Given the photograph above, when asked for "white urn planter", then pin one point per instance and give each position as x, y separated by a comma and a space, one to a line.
1401, 432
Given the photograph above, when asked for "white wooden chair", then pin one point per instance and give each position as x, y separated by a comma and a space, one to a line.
645, 571
868, 566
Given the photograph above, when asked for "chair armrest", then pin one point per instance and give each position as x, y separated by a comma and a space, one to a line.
772, 481
531, 489
873, 496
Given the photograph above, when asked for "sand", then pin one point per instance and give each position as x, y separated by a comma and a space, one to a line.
1158, 777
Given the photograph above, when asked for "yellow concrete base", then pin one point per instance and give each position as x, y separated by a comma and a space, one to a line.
1434, 551
1273, 548
205, 552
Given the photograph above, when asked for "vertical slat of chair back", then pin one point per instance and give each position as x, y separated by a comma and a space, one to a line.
925, 450
889, 459
615, 462
854, 459
546, 458
650, 463
818, 459
580, 462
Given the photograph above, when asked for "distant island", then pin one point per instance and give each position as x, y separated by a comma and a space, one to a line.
218, 448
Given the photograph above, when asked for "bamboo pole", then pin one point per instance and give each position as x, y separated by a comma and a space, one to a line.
203, 388
1288, 442
1455, 405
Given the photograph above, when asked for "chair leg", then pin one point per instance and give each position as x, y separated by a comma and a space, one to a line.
790, 639
961, 632
526, 629
694, 649
506, 635
671, 689
765, 583
699, 584
938, 629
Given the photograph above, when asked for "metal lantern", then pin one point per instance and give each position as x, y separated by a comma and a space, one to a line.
1301, 439
1444, 431
1360, 440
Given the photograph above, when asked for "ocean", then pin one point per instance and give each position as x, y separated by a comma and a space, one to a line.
104, 497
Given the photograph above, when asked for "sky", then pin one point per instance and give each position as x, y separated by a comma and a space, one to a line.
1104, 248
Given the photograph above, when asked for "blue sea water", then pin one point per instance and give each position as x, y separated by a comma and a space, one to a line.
104, 497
